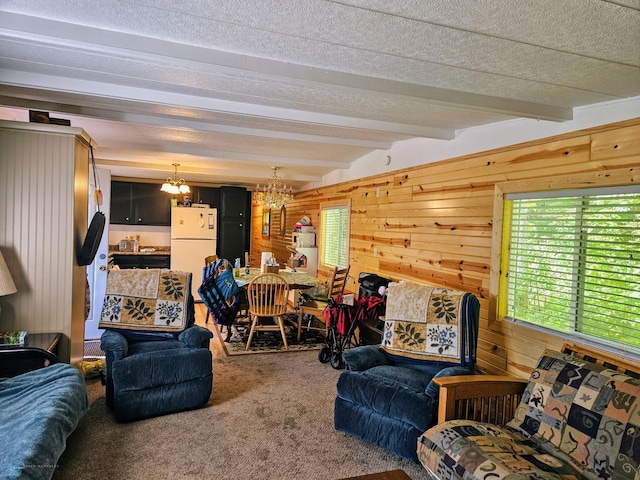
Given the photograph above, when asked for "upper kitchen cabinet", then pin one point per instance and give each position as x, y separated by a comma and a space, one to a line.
139, 204
206, 195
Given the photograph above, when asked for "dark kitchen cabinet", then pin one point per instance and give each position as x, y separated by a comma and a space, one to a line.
234, 223
142, 261
207, 195
139, 204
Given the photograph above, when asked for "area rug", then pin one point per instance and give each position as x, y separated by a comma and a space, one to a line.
271, 342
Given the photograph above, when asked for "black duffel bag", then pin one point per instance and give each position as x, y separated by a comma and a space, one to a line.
370, 284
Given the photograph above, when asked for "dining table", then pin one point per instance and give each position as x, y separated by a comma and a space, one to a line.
297, 280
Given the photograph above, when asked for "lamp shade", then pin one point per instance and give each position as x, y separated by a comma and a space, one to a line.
7, 286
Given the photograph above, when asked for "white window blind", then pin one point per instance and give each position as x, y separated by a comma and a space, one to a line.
335, 235
574, 265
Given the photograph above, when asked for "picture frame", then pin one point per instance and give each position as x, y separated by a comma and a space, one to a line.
266, 220
283, 221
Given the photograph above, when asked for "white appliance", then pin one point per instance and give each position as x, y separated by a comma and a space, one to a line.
311, 254
193, 237
305, 244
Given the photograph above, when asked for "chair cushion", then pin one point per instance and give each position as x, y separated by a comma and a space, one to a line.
464, 449
146, 370
394, 392
428, 323
150, 300
585, 411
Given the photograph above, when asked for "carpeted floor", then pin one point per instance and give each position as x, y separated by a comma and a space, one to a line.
269, 417
270, 342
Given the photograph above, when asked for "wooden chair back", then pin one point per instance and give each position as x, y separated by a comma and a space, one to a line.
268, 294
337, 280
210, 259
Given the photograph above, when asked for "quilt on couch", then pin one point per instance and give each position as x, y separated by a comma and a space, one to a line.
155, 300
38, 411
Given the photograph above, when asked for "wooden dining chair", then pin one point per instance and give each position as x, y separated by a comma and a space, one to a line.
267, 295
336, 281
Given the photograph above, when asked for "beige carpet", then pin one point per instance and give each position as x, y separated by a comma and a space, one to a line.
269, 417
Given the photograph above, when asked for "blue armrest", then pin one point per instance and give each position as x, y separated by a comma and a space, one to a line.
365, 357
114, 342
433, 390
196, 337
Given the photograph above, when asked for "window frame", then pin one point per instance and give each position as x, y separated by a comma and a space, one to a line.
498, 293
346, 204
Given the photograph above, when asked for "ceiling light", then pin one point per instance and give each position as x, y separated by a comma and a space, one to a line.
274, 195
176, 185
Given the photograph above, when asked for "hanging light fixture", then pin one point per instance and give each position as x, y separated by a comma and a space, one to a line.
274, 195
176, 185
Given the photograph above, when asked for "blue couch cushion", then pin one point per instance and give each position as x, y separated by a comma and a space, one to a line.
38, 411
149, 370
399, 393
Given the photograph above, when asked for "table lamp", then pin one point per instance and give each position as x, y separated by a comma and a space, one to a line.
7, 287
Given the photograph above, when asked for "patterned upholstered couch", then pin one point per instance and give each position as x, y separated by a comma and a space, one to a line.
576, 419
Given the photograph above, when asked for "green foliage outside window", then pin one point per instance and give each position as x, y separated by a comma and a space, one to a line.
574, 265
335, 235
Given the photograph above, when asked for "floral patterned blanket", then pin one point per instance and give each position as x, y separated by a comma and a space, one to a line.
153, 300
424, 322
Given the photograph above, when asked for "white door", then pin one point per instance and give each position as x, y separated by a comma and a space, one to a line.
97, 271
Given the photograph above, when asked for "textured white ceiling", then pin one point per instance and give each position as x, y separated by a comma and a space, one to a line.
230, 88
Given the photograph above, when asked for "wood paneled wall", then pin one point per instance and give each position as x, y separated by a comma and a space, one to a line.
43, 221
434, 223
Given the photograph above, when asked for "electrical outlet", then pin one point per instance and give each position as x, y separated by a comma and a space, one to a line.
378, 192
375, 251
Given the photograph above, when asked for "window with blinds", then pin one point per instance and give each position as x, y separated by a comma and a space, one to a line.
574, 263
335, 235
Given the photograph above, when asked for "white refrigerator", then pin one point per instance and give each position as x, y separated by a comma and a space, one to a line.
193, 237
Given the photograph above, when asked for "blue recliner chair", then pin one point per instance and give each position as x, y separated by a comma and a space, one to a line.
158, 361
386, 395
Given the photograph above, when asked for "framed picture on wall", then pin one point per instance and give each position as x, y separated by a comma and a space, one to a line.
266, 220
283, 221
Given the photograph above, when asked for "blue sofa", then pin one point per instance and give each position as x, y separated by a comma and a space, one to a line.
38, 411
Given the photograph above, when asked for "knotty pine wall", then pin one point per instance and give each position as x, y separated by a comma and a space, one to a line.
433, 223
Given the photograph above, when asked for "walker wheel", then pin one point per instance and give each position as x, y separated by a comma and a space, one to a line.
336, 360
324, 355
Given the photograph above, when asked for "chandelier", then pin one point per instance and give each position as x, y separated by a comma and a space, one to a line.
274, 195
175, 186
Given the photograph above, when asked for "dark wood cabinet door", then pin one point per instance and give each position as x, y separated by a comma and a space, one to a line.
152, 206
233, 202
127, 261
207, 195
155, 261
232, 239
121, 203
142, 261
